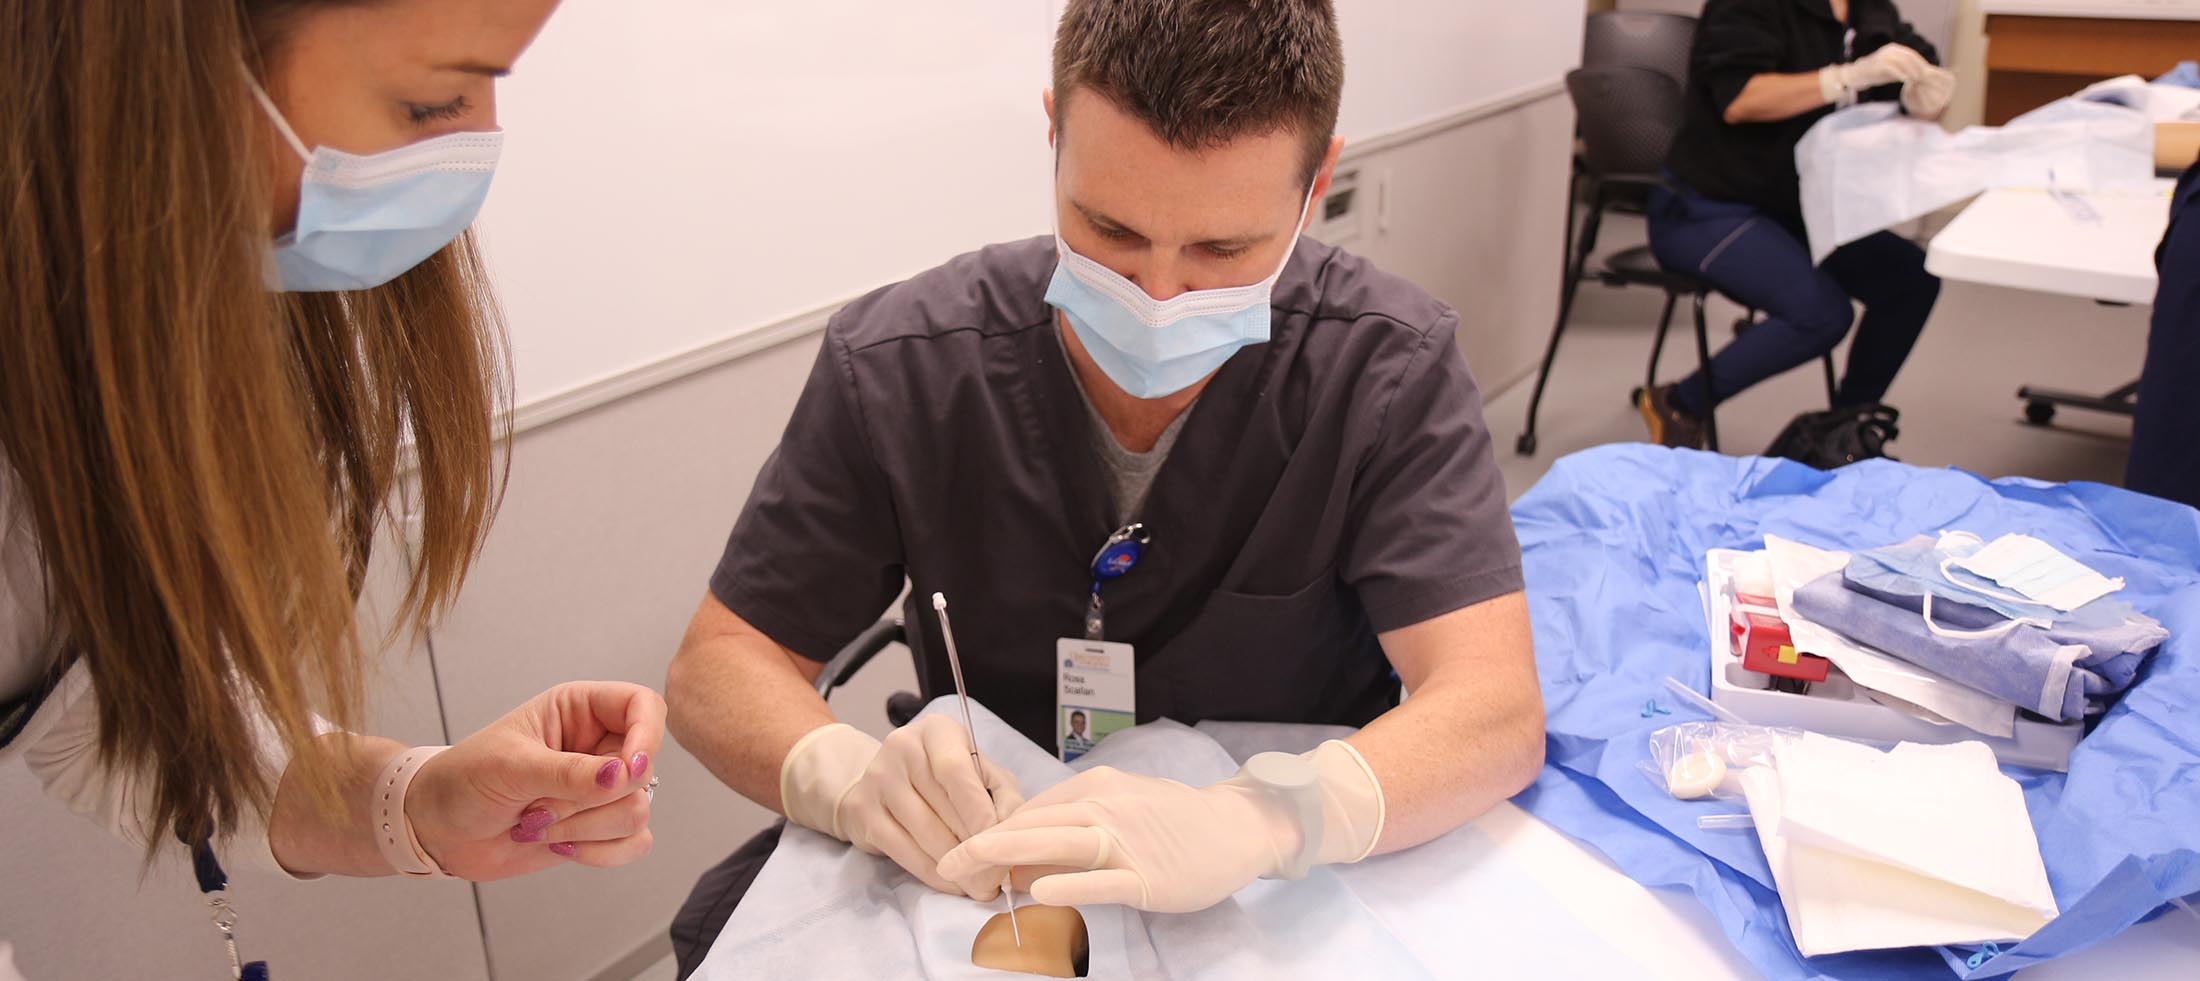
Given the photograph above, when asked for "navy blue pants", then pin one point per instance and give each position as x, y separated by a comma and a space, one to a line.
1753, 258
2165, 428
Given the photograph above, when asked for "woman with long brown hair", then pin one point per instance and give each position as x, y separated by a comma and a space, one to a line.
237, 309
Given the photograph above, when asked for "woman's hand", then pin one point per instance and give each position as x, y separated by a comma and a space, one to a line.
1890, 64
559, 778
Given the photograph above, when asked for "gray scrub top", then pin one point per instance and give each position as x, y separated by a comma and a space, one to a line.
1330, 484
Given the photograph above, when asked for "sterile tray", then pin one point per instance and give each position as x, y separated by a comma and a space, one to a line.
1839, 707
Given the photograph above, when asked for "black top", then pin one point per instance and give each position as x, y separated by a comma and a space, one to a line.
1330, 484
1754, 163
16, 710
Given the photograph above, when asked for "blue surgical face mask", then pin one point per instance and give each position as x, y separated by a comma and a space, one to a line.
1940, 567
1155, 348
2037, 571
365, 220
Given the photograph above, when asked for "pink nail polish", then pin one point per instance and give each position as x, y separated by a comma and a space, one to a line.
608, 776
641, 764
563, 848
526, 835
536, 819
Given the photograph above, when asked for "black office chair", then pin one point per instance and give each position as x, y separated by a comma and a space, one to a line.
1628, 116
901, 706
1659, 42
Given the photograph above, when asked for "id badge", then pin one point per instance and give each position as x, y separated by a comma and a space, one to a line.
1095, 693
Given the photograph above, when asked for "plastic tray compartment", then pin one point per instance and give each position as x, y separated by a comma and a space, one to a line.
1839, 707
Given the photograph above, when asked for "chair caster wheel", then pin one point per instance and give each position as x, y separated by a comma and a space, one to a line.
2039, 413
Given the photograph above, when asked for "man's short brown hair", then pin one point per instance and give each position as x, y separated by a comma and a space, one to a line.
1204, 72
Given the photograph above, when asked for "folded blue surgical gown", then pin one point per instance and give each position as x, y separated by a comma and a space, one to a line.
2063, 672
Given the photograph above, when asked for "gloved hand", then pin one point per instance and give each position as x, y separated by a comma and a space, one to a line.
1841, 84
1105, 836
1928, 96
912, 798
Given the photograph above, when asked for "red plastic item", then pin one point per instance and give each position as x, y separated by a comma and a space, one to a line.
1766, 647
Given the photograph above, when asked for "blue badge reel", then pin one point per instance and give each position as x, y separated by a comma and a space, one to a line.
1096, 691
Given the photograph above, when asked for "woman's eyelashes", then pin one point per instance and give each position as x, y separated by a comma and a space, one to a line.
423, 115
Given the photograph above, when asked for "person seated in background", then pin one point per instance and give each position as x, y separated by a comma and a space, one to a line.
1762, 73
1293, 433
2165, 425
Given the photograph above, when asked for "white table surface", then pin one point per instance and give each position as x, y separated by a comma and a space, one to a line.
2105, 9
2022, 238
1674, 937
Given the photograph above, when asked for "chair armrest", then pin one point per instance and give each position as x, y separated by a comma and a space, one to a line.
858, 653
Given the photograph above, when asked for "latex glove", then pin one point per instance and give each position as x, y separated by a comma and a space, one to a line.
1842, 84
557, 779
912, 798
1105, 836
1929, 96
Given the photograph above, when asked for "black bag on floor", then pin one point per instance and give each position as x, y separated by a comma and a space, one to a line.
1837, 437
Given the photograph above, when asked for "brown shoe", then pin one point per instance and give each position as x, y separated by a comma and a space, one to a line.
1669, 426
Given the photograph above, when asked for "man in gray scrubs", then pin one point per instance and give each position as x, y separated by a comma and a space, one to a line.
1294, 432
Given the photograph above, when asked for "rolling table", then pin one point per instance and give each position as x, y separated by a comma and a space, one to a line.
2025, 238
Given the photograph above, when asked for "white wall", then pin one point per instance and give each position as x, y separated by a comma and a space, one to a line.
1407, 61
679, 172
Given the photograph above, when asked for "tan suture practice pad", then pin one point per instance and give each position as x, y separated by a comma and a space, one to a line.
1055, 943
